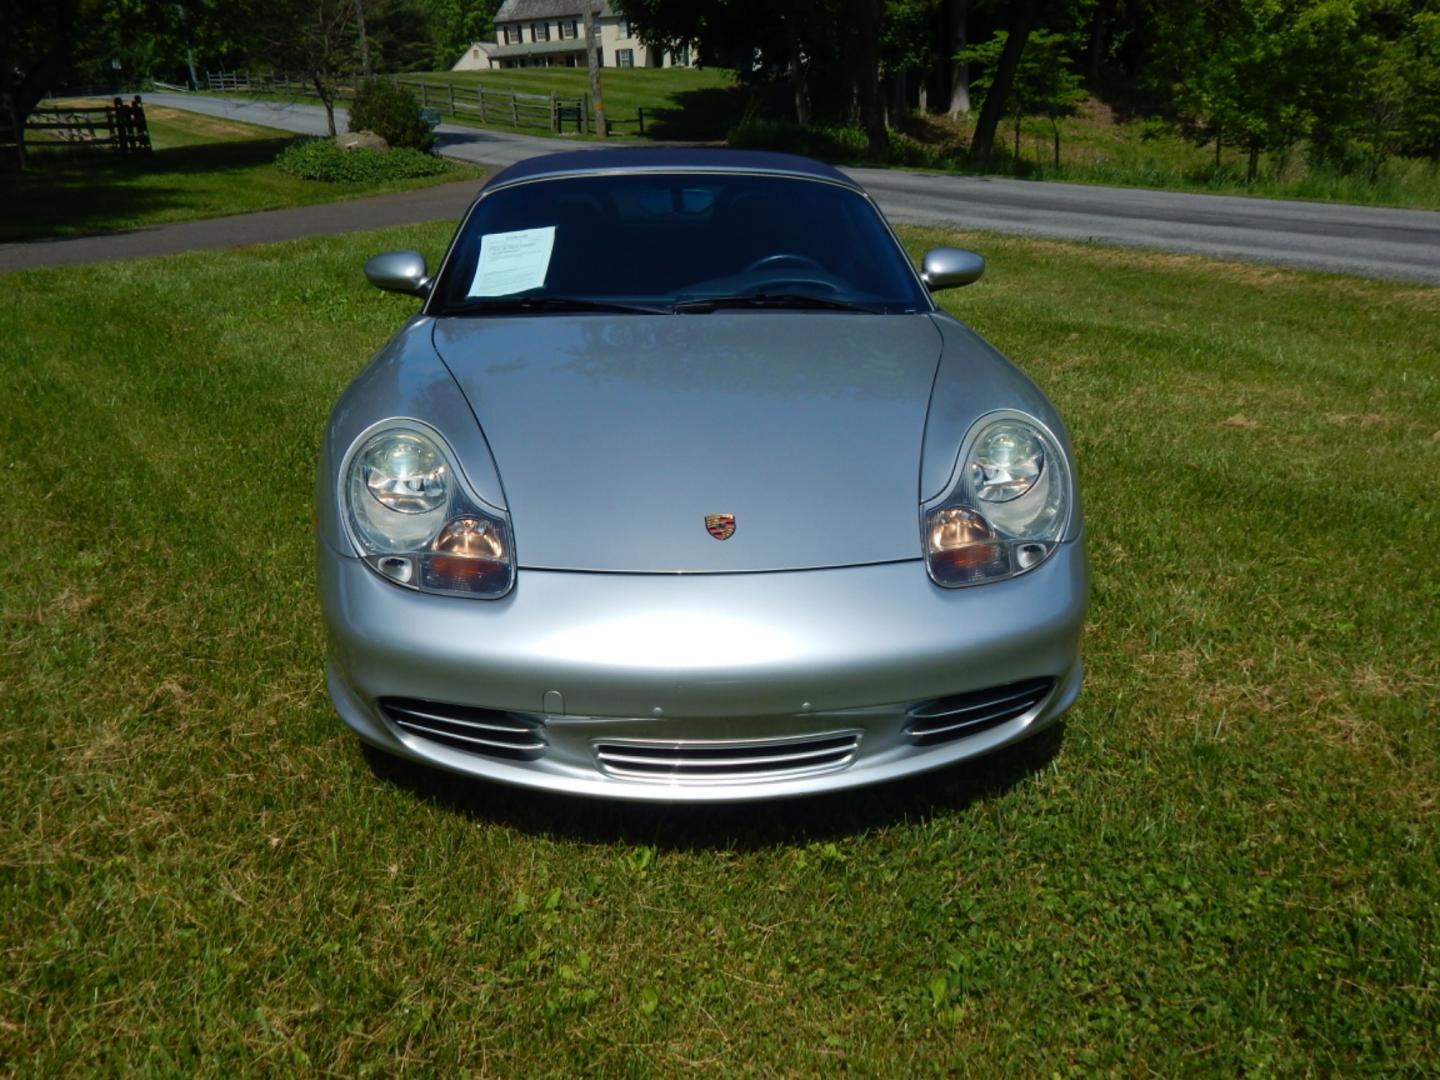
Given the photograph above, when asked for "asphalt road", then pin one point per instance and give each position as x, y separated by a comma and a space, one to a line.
1367, 241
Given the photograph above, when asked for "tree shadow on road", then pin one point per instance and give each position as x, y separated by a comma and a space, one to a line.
72, 193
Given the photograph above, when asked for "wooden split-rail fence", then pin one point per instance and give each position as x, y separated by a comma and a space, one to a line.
119, 127
546, 112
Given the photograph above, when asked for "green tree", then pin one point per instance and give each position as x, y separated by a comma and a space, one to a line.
908, 46
828, 50
453, 25
38, 43
1000, 76
316, 39
1045, 82
1263, 73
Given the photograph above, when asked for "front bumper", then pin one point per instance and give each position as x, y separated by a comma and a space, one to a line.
596, 661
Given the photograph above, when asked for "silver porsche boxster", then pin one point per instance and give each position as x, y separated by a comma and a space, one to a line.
680, 487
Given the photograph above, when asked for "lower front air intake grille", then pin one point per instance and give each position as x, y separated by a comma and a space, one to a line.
463, 727
726, 761
960, 715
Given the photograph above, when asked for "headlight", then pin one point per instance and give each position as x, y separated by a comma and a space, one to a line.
413, 522
1008, 510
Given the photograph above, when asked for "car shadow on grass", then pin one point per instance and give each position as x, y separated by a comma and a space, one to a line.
735, 826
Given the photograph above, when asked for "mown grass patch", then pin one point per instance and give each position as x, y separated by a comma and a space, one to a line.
1225, 861
202, 166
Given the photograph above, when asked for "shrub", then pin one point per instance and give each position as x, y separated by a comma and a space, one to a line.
321, 159
391, 111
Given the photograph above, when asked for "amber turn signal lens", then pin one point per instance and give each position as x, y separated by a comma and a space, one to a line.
956, 527
470, 538
972, 557
464, 574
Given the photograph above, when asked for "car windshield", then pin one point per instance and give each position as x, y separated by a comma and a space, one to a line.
680, 243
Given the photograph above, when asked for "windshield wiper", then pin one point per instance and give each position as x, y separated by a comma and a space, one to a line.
778, 301
547, 305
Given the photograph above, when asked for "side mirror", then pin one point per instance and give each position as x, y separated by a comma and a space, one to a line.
399, 271
949, 268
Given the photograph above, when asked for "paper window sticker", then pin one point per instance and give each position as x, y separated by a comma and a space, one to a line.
513, 262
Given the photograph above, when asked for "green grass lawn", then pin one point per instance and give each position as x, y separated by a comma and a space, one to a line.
202, 166
1228, 860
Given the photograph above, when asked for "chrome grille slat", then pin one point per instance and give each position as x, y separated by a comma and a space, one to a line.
934, 713
480, 725
715, 762
936, 721
637, 759
442, 734
461, 727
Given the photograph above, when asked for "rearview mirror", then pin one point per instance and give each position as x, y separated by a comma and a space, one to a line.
949, 268
399, 271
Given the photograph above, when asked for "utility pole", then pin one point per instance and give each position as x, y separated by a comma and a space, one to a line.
364, 42
592, 54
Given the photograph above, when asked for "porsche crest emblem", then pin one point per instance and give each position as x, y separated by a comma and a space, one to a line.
720, 526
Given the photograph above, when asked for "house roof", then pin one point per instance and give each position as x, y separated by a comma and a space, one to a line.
667, 159
518, 10
538, 48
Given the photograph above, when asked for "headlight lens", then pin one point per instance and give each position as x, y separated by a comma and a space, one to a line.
405, 472
1008, 511
413, 522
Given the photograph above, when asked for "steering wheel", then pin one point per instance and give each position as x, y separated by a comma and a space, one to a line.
784, 258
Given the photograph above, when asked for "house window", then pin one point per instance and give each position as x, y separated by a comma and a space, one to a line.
512, 35
569, 29
624, 57
624, 29
540, 31
477, 54
681, 56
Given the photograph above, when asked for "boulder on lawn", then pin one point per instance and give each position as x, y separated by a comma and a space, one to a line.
361, 140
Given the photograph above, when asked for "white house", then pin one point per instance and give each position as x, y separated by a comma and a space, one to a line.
551, 33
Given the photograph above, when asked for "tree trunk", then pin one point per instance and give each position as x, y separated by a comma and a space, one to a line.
592, 59
364, 41
1254, 169
982, 146
327, 98
42, 75
872, 118
1217, 151
1055, 127
900, 98
1099, 30
959, 71
802, 92
1018, 118
799, 81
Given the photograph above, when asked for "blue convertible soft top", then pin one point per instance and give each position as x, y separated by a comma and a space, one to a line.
662, 158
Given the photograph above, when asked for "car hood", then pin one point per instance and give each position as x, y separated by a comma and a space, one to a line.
616, 436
